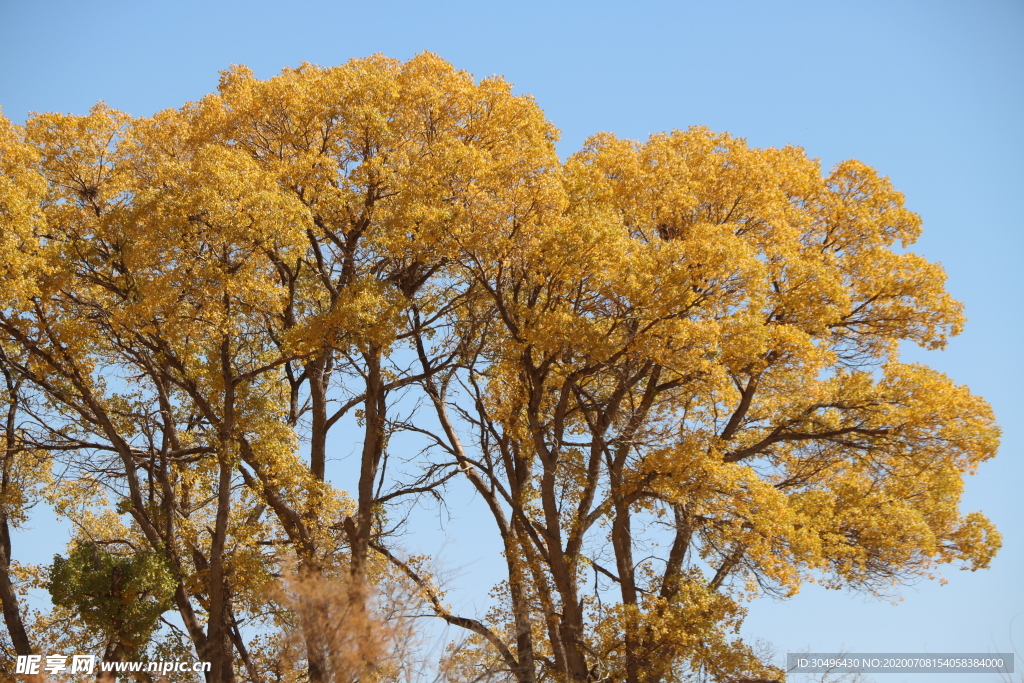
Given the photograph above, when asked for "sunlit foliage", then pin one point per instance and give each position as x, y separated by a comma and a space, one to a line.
669, 369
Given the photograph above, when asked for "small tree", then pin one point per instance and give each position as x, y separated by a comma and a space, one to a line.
120, 596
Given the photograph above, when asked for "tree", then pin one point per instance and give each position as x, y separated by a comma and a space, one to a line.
669, 369
121, 597
690, 391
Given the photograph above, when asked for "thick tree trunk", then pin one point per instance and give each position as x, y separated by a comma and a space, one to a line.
360, 528
8, 597
316, 371
522, 618
570, 622
622, 542
219, 651
374, 415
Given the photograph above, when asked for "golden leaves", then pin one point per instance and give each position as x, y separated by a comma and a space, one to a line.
684, 334
21, 190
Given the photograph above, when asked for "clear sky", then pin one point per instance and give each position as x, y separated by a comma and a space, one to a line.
930, 93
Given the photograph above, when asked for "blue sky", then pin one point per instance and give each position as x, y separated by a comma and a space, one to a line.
929, 93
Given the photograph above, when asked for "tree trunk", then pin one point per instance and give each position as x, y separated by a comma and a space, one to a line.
8, 597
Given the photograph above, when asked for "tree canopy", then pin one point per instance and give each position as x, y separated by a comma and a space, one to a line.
668, 369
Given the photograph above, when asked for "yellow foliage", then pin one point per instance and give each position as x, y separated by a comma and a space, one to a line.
672, 364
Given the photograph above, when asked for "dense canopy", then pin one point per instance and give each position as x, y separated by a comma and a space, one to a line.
668, 369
